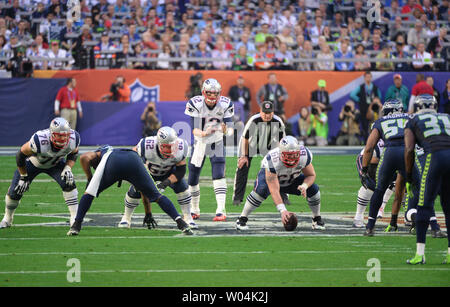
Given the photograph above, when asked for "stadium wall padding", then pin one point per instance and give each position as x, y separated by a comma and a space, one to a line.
26, 105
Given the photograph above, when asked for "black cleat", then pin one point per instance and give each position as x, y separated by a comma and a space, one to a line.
317, 223
438, 234
74, 229
370, 232
184, 227
241, 223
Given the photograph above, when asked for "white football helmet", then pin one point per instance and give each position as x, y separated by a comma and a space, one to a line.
289, 151
59, 132
425, 103
211, 90
167, 138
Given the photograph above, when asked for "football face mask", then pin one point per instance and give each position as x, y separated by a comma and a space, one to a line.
167, 150
60, 140
167, 138
211, 91
290, 158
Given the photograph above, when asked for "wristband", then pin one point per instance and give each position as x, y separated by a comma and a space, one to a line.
281, 208
304, 185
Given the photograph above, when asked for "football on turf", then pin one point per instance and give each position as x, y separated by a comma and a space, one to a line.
292, 223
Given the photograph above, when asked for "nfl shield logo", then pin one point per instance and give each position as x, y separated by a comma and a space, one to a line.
142, 93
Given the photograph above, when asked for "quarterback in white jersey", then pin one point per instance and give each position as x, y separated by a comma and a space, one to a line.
286, 169
52, 151
165, 155
210, 114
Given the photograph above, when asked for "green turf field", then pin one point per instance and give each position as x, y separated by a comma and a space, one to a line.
36, 255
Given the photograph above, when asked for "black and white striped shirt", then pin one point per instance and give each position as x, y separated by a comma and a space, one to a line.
262, 136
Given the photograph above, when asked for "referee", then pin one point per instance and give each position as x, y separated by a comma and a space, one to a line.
261, 134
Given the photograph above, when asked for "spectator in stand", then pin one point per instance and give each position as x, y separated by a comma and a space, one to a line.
409, 7
436, 47
422, 59
285, 36
56, 52
283, 58
417, 34
421, 87
344, 53
103, 59
258, 62
432, 30
444, 104
350, 132
241, 59
166, 54
385, 55
67, 103
183, 52
363, 96
325, 53
220, 53
376, 44
140, 55
363, 59
202, 52
261, 36
35, 51
436, 93
316, 30
399, 53
245, 40
306, 53
398, 91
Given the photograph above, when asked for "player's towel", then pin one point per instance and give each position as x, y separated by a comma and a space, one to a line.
198, 153
93, 186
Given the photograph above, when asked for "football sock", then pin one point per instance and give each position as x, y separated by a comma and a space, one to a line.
184, 200
195, 202
71, 199
394, 219
375, 203
220, 189
420, 249
252, 202
434, 224
10, 208
130, 206
363, 199
83, 207
314, 204
167, 206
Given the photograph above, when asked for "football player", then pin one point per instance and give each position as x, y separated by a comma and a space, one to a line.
389, 128
431, 131
114, 165
52, 151
165, 156
210, 114
286, 169
364, 194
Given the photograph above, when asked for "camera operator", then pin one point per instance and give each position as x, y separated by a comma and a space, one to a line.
374, 110
119, 91
19, 65
318, 130
349, 133
151, 119
195, 85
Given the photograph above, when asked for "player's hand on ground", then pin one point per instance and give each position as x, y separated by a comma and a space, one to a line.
23, 185
302, 188
285, 215
149, 221
67, 176
242, 161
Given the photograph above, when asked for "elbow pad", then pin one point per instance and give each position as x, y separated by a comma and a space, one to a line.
180, 171
20, 159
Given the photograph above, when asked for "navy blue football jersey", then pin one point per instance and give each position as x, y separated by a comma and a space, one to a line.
392, 128
431, 130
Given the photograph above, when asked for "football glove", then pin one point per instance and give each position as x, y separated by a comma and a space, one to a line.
23, 185
67, 176
163, 185
149, 221
409, 189
366, 181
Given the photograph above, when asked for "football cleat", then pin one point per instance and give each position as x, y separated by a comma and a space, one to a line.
195, 216
220, 217
317, 223
417, 259
391, 228
447, 259
370, 232
358, 224
184, 227
438, 234
193, 225
124, 224
73, 232
241, 223
4, 224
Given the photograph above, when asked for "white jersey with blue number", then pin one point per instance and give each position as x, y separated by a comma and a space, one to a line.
286, 175
147, 148
44, 156
197, 108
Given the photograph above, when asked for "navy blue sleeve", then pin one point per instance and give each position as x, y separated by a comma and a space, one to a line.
37, 143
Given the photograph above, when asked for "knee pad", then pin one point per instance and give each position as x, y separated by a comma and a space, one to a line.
184, 198
11, 203
132, 193
314, 200
312, 191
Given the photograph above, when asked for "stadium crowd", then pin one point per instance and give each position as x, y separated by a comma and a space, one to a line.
234, 35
